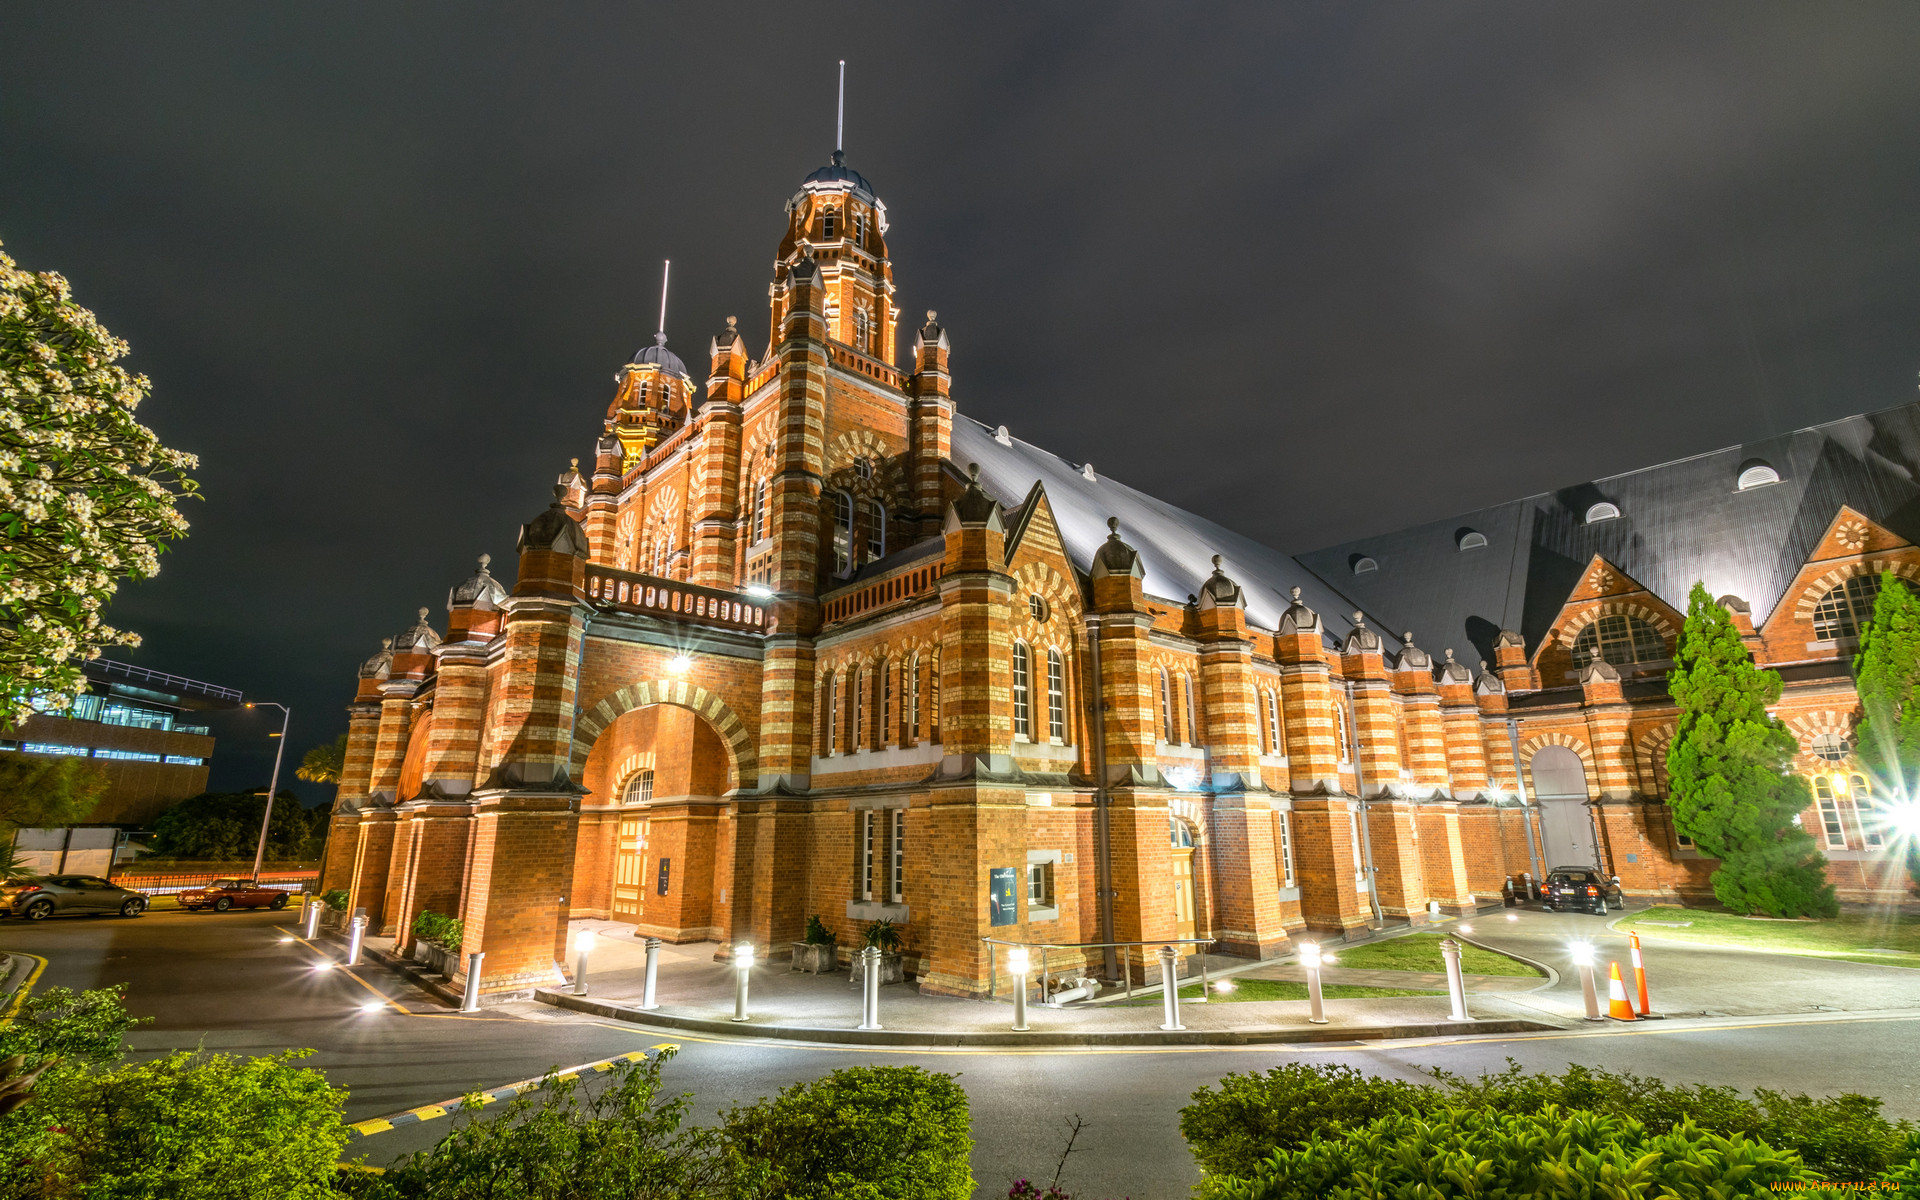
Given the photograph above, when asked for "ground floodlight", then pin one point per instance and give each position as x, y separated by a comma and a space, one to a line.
1018, 961
1582, 953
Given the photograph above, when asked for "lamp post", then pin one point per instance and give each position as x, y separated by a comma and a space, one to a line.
260, 850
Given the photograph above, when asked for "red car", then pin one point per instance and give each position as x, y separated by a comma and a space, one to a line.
223, 894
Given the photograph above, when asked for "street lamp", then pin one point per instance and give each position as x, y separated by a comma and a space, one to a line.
260, 850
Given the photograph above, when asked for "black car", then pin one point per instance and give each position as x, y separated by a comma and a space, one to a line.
1579, 889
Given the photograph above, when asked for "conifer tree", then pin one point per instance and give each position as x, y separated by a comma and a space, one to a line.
1887, 676
1729, 771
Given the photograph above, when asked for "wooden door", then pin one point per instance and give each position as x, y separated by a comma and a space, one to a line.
1183, 891
629, 870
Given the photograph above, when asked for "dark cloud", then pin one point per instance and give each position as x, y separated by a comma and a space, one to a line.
1310, 270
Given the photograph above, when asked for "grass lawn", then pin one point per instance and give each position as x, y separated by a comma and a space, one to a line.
1421, 952
1886, 941
1283, 989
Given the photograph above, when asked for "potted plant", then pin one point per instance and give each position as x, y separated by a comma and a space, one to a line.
884, 937
334, 915
436, 941
819, 953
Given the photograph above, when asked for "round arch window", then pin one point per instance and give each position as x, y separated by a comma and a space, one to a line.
1848, 608
1620, 639
639, 789
1179, 833
1038, 607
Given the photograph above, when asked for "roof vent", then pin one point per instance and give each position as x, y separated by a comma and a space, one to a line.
1602, 511
1086, 471
1362, 565
1756, 474
1002, 436
1472, 539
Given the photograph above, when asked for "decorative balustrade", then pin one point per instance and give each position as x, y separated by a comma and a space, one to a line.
907, 584
625, 591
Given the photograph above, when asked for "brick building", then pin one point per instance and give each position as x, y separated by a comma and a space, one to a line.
803, 639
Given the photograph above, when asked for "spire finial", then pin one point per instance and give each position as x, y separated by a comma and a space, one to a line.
485, 559
973, 473
1359, 620
840, 122
1216, 564
1113, 526
1296, 594
423, 614
660, 336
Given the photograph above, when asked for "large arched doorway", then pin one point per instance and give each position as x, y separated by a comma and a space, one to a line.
1566, 824
655, 844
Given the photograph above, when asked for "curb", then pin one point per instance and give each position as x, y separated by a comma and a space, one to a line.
1131, 1037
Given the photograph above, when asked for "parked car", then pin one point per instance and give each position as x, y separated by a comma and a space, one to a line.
38, 897
223, 894
1580, 889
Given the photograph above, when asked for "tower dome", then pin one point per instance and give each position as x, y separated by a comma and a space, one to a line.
837, 224
657, 355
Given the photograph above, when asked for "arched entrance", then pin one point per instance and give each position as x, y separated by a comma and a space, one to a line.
1180, 834
655, 844
1566, 824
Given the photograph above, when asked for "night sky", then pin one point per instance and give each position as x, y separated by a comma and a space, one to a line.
1312, 271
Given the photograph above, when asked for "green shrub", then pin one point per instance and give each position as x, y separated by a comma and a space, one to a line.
335, 899
75, 1027
1551, 1154
562, 1144
861, 1133
817, 932
883, 936
444, 932
189, 1126
1232, 1129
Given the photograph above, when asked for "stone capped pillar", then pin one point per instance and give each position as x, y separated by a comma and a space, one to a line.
1307, 697
1245, 883
525, 815
1466, 754
1426, 744
1510, 662
1376, 717
1608, 714
799, 523
714, 512
1121, 625
930, 417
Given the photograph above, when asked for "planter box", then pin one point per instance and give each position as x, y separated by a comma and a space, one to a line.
814, 957
433, 956
332, 918
892, 968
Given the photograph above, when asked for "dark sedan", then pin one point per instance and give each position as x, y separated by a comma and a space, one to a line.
223, 894
38, 897
1579, 889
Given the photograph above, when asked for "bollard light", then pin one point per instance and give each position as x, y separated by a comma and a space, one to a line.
355, 937
1513, 916
1019, 962
1224, 986
312, 919
1466, 929
1170, 989
648, 999
582, 943
373, 1006
742, 963
1582, 953
1456, 985
470, 999
1311, 957
870, 992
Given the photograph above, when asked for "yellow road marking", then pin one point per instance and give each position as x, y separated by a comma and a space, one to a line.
25, 989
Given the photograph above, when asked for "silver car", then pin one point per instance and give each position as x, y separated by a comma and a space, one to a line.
38, 897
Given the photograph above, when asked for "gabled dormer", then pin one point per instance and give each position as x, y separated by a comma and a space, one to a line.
1832, 595
1612, 616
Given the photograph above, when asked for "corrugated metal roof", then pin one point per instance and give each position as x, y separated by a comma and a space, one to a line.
1679, 522
1176, 547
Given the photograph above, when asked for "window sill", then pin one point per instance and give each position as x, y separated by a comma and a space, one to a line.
874, 910
1036, 913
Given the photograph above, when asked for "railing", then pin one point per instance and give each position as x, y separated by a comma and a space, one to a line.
1126, 959
904, 586
867, 365
174, 683
166, 885
625, 591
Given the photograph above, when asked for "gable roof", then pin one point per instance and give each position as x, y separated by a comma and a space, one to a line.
1679, 522
1176, 546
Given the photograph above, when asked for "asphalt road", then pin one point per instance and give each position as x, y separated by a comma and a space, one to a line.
229, 983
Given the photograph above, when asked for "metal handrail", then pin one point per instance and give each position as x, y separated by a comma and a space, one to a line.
175, 682
1126, 959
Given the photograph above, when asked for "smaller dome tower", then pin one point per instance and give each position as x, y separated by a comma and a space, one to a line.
655, 394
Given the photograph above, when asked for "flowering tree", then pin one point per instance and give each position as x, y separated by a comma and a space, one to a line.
87, 494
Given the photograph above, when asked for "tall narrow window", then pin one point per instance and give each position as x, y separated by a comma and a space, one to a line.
1340, 732
865, 852
1283, 833
1359, 855
860, 327
886, 702
759, 510
860, 226
1273, 723
857, 681
833, 714
876, 531
1022, 693
1166, 708
1186, 700
1865, 814
830, 223
897, 856
1056, 698
1835, 834
842, 533
933, 699
910, 684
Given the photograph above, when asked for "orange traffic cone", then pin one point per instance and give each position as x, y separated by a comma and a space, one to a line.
1618, 1006
1639, 973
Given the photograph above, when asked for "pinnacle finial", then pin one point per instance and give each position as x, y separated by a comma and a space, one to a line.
423, 614
574, 463
1296, 595
1216, 564
932, 316
484, 560
1113, 527
1449, 653
973, 473
1407, 637
1359, 620
386, 643
731, 323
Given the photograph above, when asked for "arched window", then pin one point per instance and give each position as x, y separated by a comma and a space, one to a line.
1166, 708
829, 223
1364, 564
1186, 697
1179, 834
1022, 693
1340, 732
833, 714
860, 327
1621, 639
1833, 833
886, 703
876, 530
1473, 539
1056, 697
759, 511
639, 789
1848, 608
1602, 511
860, 226
842, 533
1840, 791
857, 682
910, 688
